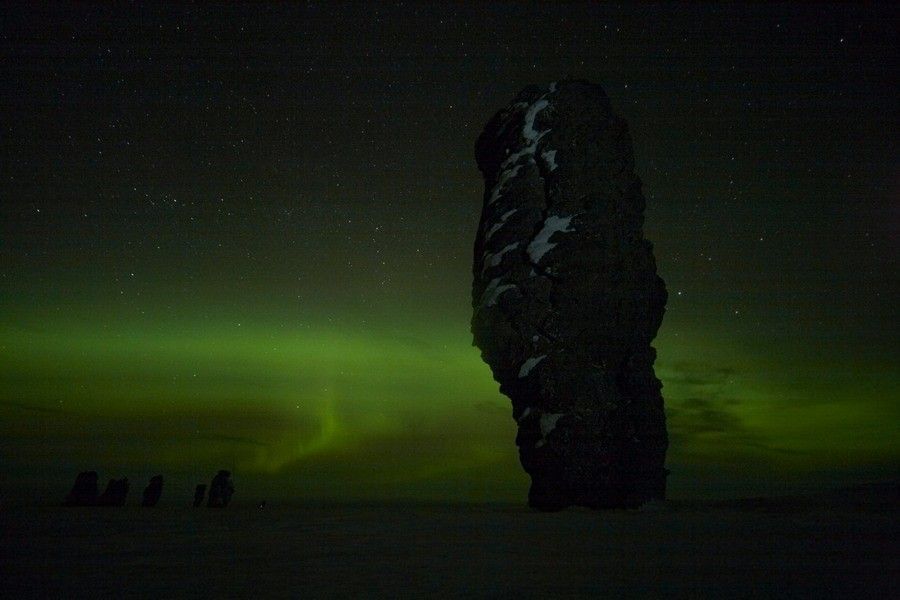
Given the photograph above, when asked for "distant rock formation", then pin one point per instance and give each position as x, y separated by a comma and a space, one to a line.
153, 491
199, 494
220, 490
566, 298
85, 491
115, 493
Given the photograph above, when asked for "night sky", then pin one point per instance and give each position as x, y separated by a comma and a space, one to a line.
241, 237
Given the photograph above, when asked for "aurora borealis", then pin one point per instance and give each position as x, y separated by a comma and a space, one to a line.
240, 236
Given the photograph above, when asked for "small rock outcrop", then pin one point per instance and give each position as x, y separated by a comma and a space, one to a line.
85, 490
199, 494
115, 493
566, 299
153, 491
220, 490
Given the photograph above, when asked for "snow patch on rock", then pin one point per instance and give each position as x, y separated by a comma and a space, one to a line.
528, 130
541, 243
494, 259
509, 168
524, 414
496, 227
548, 422
493, 291
549, 157
529, 364
505, 175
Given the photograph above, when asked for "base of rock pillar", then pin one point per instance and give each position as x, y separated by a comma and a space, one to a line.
608, 492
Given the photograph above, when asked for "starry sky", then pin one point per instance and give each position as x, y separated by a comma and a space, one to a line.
240, 236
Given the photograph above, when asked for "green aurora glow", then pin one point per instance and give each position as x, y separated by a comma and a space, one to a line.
345, 412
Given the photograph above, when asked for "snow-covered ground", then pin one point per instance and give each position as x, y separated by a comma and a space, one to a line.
756, 549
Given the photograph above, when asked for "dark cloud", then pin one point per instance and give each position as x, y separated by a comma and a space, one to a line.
697, 416
696, 373
708, 411
696, 419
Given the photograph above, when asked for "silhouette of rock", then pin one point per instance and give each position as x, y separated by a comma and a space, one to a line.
199, 494
84, 492
220, 490
153, 491
566, 298
115, 493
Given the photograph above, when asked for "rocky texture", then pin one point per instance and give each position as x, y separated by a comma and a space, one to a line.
566, 298
115, 493
199, 494
153, 491
220, 490
84, 492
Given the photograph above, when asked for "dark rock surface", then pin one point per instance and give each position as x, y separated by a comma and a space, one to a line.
220, 490
153, 491
199, 494
115, 493
566, 298
85, 491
